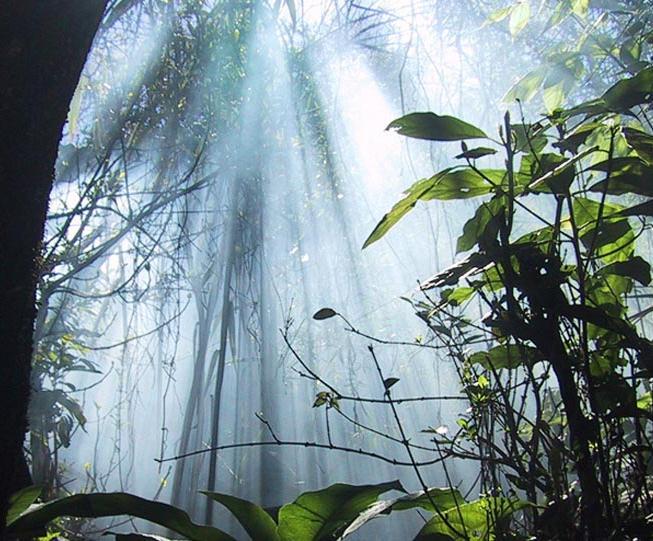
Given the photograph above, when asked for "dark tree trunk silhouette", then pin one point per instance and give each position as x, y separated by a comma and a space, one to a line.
44, 44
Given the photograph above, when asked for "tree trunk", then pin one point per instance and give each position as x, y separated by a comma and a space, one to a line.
44, 47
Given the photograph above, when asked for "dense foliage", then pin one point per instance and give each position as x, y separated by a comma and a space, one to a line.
557, 369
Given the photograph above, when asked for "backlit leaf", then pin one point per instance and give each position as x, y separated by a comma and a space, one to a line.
445, 185
399, 210
463, 184
519, 17
627, 175
580, 7
442, 498
326, 514
526, 87
111, 505
476, 227
630, 92
528, 137
645, 401
254, 519
506, 356
472, 521
643, 209
499, 14
435, 127
457, 296
554, 96
20, 502
641, 142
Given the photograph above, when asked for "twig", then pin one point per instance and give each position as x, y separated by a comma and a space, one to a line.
406, 444
294, 443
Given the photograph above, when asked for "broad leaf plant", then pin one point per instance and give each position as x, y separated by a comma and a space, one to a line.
544, 315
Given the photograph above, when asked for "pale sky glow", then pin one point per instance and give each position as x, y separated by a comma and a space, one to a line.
364, 114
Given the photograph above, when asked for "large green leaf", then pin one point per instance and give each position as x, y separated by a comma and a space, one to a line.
114, 504
526, 87
519, 16
440, 498
643, 209
448, 184
593, 107
477, 226
506, 356
537, 237
641, 142
557, 174
326, 514
457, 296
636, 268
630, 92
627, 175
587, 211
258, 524
399, 210
463, 183
611, 241
473, 521
607, 233
528, 137
435, 127
20, 502
554, 96
373, 511
621, 97
607, 287
550, 172
578, 136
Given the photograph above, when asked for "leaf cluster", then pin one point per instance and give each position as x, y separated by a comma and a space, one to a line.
553, 272
333, 513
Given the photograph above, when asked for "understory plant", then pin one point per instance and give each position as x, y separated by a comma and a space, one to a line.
545, 317
324, 515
